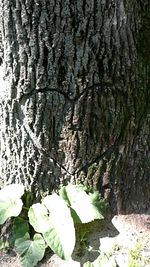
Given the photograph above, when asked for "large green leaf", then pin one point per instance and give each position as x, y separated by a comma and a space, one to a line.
13, 190
38, 218
61, 235
83, 204
63, 192
19, 230
10, 202
97, 201
30, 251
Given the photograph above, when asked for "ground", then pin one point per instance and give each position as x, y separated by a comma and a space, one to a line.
124, 237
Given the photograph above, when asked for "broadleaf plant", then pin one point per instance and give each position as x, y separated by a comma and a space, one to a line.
38, 218
19, 229
30, 251
57, 228
62, 226
81, 202
10, 202
52, 220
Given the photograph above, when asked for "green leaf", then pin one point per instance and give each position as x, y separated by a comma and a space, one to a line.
82, 203
10, 202
63, 195
38, 218
15, 190
30, 251
61, 235
19, 230
88, 264
97, 202
75, 216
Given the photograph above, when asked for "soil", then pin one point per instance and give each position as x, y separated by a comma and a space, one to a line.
101, 236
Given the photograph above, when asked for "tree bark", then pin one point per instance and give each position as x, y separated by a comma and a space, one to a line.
74, 104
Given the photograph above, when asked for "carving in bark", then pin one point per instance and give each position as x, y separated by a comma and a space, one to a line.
73, 106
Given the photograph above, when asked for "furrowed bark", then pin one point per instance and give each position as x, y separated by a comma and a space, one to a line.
74, 106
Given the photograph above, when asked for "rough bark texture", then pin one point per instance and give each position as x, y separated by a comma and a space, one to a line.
74, 106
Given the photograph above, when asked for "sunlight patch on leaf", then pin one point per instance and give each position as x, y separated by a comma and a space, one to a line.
38, 218
10, 202
61, 236
83, 204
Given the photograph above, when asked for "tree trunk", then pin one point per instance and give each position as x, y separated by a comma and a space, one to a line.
74, 103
